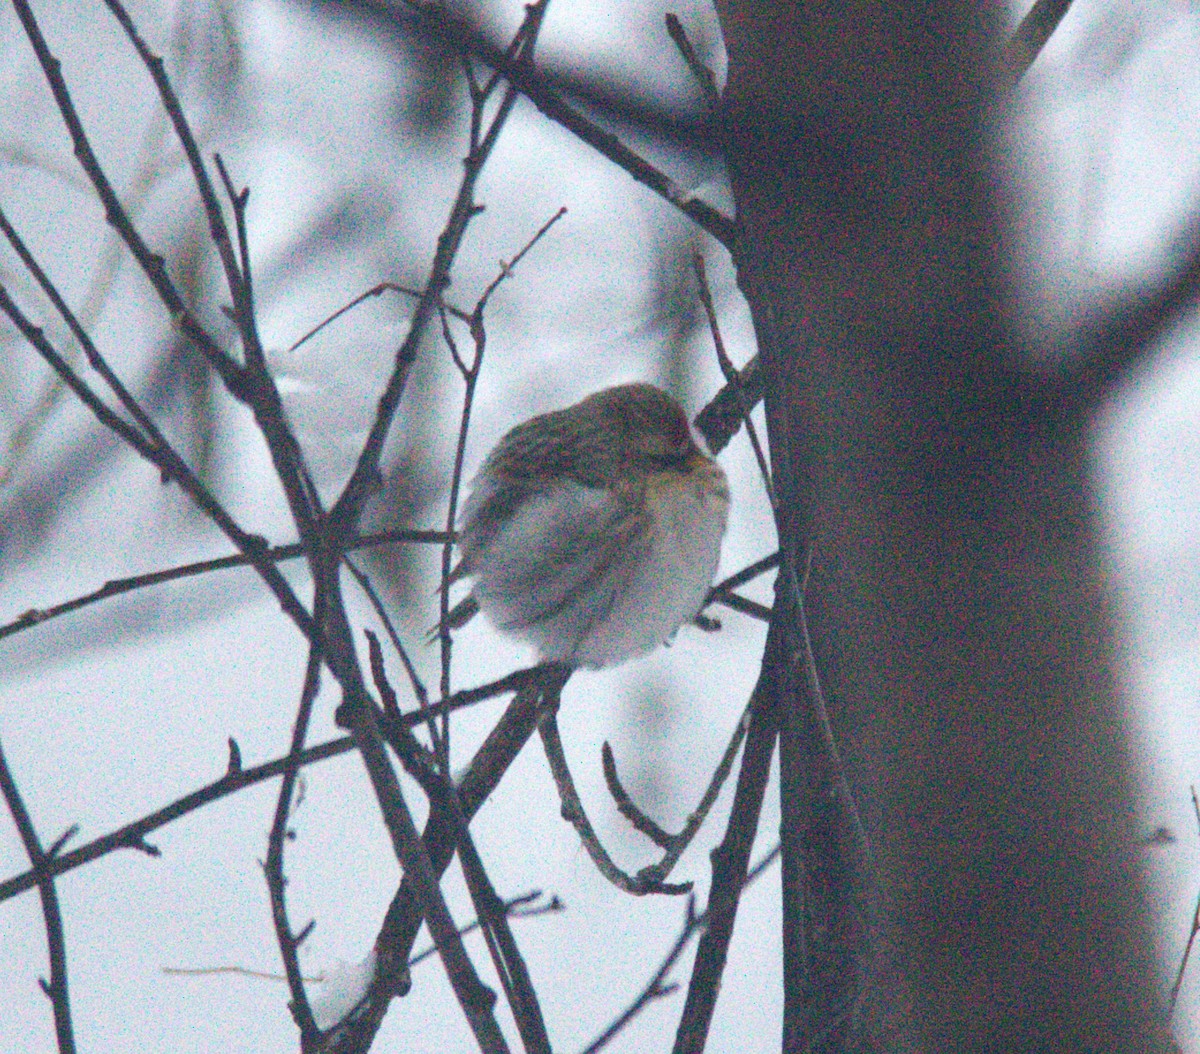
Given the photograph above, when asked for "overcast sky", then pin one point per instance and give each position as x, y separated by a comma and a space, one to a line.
118, 710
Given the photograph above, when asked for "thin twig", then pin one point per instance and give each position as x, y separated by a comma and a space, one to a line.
151, 263
746, 574
1187, 948
698, 816
732, 377
517, 908
1027, 42
521, 906
702, 74
418, 686
239, 278
498, 937
573, 812
474, 997
364, 478
396, 734
56, 989
235, 779
470, 377
90, 351
119, 586
133, 835
259, 389
388, 699
376, 291
731, 857
674, 844
745, 605
655, 988
168, 464
487, 769
273, 867
640, 822
217, 229
527, 80
507, 268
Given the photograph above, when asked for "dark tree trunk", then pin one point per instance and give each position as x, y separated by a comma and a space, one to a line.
963, 627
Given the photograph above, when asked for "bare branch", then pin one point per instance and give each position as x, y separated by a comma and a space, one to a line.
539, 90
132, 835
732, 377
656, 988
418, 686
167, 462
475, 998
746, 574
625, 804
56, 988
273, 867
723, 592
731, 857
508, 268
1031, 36
484, 774
493, 918
365, 476
217, 229
703, 75
520, 907
119, 586
674, 845
377, 291
573, 812
151, 264
746, 606
470, 377
720, 419
91, 352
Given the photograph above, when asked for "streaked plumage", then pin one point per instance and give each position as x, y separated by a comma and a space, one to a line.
594, 532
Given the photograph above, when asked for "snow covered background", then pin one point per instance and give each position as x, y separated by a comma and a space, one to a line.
351, 150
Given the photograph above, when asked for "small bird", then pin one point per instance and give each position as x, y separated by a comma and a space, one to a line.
594, 532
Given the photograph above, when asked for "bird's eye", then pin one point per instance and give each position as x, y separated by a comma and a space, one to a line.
668, 454
664, 443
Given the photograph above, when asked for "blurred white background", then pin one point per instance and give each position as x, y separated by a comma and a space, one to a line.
351, 145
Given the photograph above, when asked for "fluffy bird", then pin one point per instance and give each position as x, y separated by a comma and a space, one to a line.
594, 532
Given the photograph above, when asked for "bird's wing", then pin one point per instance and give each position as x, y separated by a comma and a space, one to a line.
558, 545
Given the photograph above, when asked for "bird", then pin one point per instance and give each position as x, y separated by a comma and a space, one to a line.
594, 532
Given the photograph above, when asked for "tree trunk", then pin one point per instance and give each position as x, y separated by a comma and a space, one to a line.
964, 631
